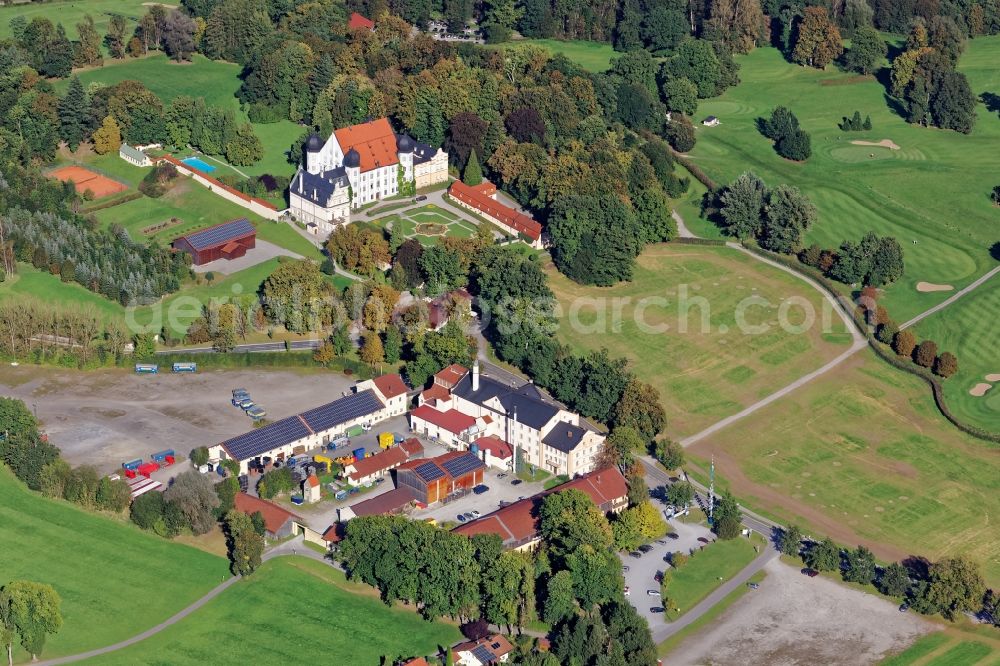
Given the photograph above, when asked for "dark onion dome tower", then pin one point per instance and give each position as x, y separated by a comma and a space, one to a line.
314, 143
404, 144
352, 160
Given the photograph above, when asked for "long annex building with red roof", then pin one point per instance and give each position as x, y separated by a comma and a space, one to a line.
358, 165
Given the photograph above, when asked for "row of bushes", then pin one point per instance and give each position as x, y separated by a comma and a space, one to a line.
715, 242
883, 351
131, 196
695, 171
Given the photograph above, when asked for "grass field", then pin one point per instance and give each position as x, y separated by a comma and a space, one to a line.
114, 580
213, 80
427, 224
703, 375
69, 13
696, 579
292, 610
944, 649
862, 455
592, 56
932, 194
967, 329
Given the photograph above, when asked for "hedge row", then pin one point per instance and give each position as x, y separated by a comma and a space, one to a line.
695, 171
699, 241
115, 202
880, 350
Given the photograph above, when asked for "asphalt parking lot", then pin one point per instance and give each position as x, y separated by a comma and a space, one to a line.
640, 576
500, 490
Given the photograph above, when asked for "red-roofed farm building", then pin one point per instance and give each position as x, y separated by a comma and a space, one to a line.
480, 199
229, 240
430, 480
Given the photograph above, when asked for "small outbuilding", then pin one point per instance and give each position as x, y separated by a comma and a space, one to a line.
711, 121
229, 240
134, 156
311, 489
359, 22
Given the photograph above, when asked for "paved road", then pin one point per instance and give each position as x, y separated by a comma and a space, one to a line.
951, 299
293, 547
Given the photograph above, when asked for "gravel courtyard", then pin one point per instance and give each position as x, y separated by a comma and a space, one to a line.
107, 416
794, 619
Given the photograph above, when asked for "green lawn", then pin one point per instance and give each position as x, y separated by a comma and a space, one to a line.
702, 375
923, 647
114, 580
592, 56
932, 194
213, 80
71, 12
965, 653
292, 610
861, 454
31, 283
968, 329
426, 223
701, 574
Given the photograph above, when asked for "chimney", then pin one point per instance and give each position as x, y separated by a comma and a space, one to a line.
475, 375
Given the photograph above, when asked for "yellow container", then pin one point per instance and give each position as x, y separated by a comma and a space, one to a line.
386, 440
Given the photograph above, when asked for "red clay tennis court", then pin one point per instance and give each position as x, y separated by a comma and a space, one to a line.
85, 179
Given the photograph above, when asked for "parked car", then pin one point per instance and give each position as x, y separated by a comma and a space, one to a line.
516, 482
627, 591
502, 475
656, 609
636, 554
704, 540
812, 573
658, 577
754, 586
645, 548
904, 607
470, 515
673, 535
420, 197
625, 568
653, 593
475, 514
480, 489
462, 518
662, 542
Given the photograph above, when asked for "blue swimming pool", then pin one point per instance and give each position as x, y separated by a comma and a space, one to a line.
199, 165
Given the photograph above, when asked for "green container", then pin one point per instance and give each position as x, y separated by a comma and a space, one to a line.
355, 431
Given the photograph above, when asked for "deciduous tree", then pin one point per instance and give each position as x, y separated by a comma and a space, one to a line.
30, 611
823, 556
945, 365
925, 353
904, 343
867, 51
790, 541
818, 42
196, 498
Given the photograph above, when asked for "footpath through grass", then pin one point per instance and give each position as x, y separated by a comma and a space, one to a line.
712, 328
862, 455
115, 581
932, 194
291, 611
706, 570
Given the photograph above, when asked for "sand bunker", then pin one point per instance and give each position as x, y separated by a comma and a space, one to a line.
930, 286
993, 377
980, 389
884, 143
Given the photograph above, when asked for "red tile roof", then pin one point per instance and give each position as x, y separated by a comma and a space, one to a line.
334, 533
358, 21
313, 481
435, 392
382, 460
496, 446
451, 375
416, 661
389, 502
390, 385
453, 420
274, 515
413, 447
518, 522
506, 215
375, 142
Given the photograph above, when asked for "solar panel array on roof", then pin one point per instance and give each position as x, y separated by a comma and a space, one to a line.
268, 438
343, 410
220, 234
462, 465
483, 655
429, 472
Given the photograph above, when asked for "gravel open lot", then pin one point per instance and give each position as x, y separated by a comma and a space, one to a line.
794, 619
105, 417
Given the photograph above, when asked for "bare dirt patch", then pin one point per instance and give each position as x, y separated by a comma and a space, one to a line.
106, 416
980, 389
884, 143
930, 287
794, 619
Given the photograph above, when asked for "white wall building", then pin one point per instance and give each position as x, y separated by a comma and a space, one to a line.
356, 166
